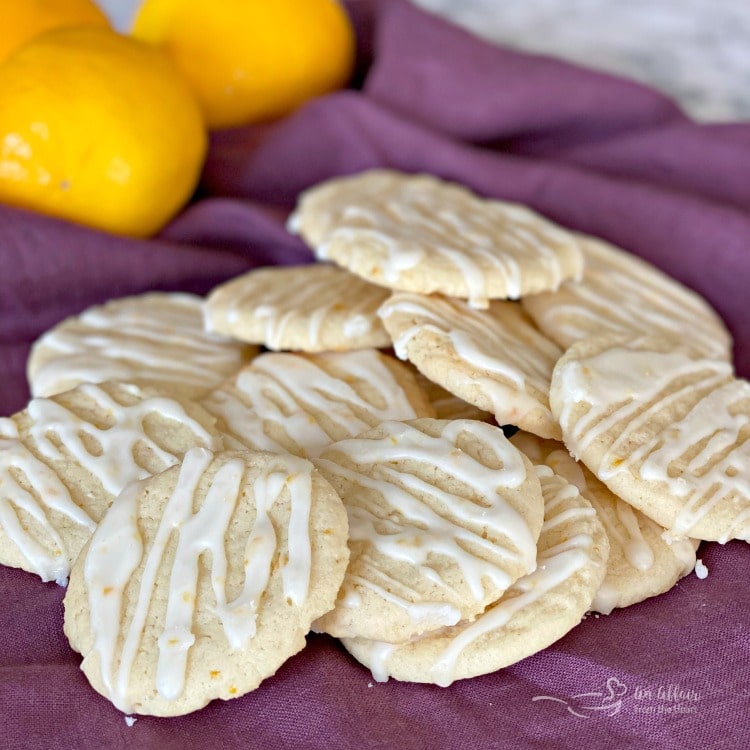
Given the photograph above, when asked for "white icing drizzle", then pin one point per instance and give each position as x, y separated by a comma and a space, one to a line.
410, 220
153, 337
8, 428
285, 300
116, 552
276, 324
431, 614
622, 293
50, 561
626, 533
412, 530
113, 463
380, 652
357, 326
297, 396
619, 382
606, 599
555, 566
624, 526
500, 341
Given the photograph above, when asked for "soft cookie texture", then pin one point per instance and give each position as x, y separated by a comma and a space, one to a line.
156, 338
535, 612
64, 459
201, 581
641, 562
421, 234
495, 359
301, 403
443, 518
622, 293
664, 427
446, 404
312, 308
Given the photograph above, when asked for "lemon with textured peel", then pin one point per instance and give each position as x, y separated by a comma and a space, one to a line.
99, 129
252, 60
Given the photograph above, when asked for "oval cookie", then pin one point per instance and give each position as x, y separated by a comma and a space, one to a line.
417, 233
64, 459
201, 581
313, 308
443, 517
535, 612
301, 403
665, 428
155, 338
495, 359
622, 293
641, 562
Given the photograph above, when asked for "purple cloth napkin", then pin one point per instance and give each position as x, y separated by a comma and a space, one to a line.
594, 152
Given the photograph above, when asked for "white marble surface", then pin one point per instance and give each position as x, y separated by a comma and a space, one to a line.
697, 51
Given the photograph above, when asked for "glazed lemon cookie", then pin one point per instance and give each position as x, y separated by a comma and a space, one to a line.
301, 403
313, 308
446, 404
622, 293
443, 518
417, 233
495, 359
664, 427
641, 562
153, 338
64, 459
202, 580
535, 612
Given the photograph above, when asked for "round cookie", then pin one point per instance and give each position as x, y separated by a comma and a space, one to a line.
301, 403
664, 427
312, 308
641, 562
495, 359
622, 293
417, 233
443, 517
64, 459
156, 338
202, 580
535, 612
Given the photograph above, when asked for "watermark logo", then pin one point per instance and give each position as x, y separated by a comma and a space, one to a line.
607, 702
615, 697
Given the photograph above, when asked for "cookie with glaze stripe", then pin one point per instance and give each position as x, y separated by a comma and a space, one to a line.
312, 308
622, 293
301, 403
156, 338
664, 427
417, 233
202, 580
535, 612
443, 518
495, 359
641, 562
64, 459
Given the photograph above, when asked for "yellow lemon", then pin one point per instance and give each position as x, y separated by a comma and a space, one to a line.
252, 60
99, 129
25, 19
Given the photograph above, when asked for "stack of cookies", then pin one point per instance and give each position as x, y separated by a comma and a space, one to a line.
466, 428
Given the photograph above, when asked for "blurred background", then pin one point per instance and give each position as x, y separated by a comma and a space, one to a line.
697, 51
